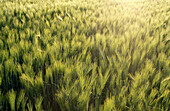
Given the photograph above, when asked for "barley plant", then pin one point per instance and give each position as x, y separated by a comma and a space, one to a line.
84, 55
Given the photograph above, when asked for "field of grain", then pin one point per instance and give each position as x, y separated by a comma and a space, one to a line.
84, 55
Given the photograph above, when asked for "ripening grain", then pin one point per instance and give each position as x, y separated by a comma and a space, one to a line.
84, 55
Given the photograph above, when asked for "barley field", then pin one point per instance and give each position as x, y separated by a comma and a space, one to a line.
84, 55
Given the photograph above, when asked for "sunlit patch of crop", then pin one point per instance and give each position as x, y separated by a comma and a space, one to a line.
81, 55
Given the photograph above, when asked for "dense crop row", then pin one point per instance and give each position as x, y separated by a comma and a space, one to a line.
84, 55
